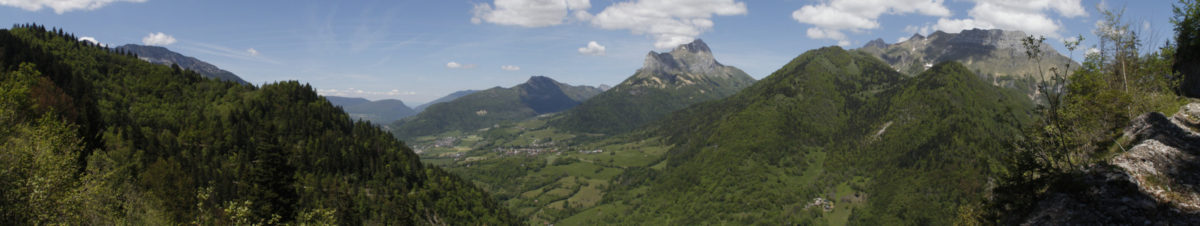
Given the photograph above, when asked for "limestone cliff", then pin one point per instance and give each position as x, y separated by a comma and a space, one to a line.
1155, 182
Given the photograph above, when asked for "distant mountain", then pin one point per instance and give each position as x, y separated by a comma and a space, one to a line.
539, 95
346, 101
444, 99
164, 56
831, 127
378, 112
666, 82
996, 55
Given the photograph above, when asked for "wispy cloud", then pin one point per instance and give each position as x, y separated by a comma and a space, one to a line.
250, 54
370, 94
456, 65
510, 68
61, 6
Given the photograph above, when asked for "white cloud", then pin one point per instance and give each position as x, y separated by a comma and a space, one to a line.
510, 68
353, 92
1091, 51
819, 33
902, 39
1028, 16
158, 39
61, 6
252, 52
592, 48
956, 25
923, 30
832, 18
456, 65
92, 40
669, 22
529, 13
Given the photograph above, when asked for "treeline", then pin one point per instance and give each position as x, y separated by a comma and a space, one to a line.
90, 135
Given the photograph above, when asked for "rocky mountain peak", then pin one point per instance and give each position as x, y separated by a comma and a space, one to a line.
693, 57
916, 36
877, 43
697, 46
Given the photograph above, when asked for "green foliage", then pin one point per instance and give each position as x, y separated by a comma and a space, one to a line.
91, 135
487, 108
1082, 122
828, 118
1187, 36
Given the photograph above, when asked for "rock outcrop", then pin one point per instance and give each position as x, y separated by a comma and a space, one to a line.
1155, 182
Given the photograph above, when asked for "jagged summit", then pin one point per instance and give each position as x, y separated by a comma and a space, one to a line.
994, 54
877, 43
693, 57
697, 46
916, 36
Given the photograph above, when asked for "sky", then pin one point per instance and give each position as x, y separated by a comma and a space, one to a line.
417, 51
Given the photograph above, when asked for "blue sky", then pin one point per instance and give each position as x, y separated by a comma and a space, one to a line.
417, 51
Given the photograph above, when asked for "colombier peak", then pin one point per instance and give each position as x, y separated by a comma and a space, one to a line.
694, 56
696, 46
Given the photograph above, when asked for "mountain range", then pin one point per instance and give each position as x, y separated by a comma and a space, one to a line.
538, 96
997, 55
830, 125
931, 130
378, 112
164, 56
447, 98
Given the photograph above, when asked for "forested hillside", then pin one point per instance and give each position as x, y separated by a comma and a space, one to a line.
480, 110
830, 125
97, 136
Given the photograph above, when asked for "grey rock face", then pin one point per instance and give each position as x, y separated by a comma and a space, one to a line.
1156, 181
686, 65
693, 57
